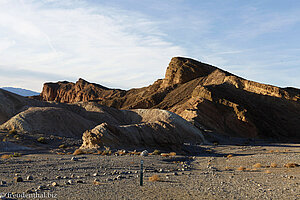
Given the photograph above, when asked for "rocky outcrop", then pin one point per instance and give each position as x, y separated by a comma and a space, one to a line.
211, 98
67, 92
151, 128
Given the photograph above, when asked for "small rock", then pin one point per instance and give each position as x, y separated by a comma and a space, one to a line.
72, 175
44, 178
95, 174
175, 174
29, 191
144, 153
29, 178
74, 159
41, 187
79, 181
54, 184
18, 179
58, 177
65, 177
161, 170
120, 177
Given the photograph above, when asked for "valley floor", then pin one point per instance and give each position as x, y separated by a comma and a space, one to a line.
212, 175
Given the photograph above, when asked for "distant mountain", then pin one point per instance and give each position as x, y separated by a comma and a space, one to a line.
20, 91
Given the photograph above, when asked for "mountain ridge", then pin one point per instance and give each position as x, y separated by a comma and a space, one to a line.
207, 96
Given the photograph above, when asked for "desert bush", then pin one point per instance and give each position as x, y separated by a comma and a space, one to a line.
268, 172
164, 155
98, 152
16, 154
62, 146
291, 165
273, 165
156, 152
106, 152
6, 156
42, 140
257, 165
171, 154
229, 156
154, 178
241, 168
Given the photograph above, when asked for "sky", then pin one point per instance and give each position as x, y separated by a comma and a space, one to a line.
129, 43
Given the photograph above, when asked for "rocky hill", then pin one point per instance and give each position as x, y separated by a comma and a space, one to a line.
101, 125
205, 95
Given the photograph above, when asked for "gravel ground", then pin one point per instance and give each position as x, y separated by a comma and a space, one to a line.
211, 175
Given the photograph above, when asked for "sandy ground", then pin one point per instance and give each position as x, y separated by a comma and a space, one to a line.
211, 175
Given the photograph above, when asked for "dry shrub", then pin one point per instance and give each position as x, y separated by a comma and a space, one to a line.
291, 165
227, 168
248, 169
171, 154
229, 156
164, 155
257, 165
60, 153
156, 152
268, 172
287, 150
273, 165
69, 153
62, 146
271, 151
5, 156
78, 152
97, 182
154, 178
98, 152
277, 151
241, 168
106, 153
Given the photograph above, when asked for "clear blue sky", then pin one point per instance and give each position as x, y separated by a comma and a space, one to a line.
128, 43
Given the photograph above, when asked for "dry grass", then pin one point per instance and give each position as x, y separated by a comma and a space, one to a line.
6, 156
78, 152
291, 165
229, 156
154, 178
273, 165
241, 168
257, 165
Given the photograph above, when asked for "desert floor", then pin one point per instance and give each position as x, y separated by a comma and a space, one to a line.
210, 175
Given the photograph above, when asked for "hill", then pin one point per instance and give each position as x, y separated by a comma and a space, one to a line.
20, 91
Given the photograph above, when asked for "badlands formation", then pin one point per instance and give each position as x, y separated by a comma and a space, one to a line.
85, 141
